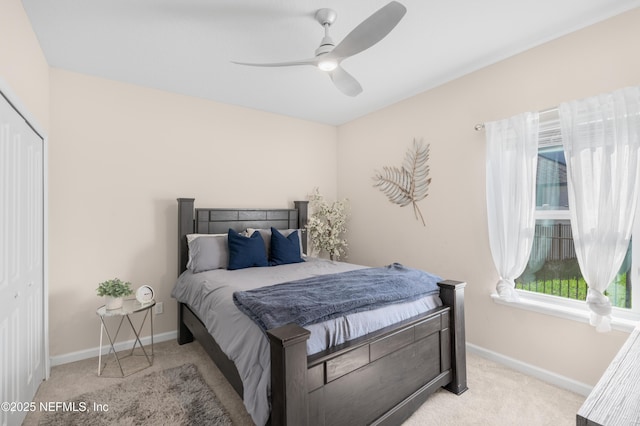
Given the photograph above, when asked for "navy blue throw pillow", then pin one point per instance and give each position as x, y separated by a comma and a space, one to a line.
284, 250
246, 252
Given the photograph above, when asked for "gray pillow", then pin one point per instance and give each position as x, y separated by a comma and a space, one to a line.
207, 252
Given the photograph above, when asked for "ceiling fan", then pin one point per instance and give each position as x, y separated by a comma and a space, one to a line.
328, 55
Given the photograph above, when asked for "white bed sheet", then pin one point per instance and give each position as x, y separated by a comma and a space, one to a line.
210, 296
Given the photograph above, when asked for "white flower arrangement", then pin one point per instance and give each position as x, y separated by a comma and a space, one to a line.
326, 225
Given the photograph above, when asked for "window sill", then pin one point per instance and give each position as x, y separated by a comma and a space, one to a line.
621, 319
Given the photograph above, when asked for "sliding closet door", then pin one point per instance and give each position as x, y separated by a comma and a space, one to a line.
22, 364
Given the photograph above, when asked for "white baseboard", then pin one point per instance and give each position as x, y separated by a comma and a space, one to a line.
531, 370
93, 352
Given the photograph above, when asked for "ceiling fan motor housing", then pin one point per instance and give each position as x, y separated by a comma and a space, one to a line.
326, 17
326, 46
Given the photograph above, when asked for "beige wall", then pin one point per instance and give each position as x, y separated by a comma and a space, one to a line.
23, 66
117, 164
121, 155
454, 243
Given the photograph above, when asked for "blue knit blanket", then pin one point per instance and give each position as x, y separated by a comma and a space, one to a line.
323, 297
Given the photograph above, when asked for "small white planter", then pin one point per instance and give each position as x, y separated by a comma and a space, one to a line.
112, 303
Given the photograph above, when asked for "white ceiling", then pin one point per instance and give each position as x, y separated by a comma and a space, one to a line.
185, 46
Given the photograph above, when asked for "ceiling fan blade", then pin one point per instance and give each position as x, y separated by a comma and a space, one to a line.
370, 31
345, 82
312, 61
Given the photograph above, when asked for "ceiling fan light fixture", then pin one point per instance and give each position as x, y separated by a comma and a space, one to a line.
327, 64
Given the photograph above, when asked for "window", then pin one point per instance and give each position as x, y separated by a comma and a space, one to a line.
553, 267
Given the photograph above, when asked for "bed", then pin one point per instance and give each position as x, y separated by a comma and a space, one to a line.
380, 377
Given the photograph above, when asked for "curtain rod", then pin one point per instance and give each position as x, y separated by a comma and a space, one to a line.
480, 126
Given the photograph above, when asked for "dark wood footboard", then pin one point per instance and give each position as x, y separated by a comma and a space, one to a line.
380, 378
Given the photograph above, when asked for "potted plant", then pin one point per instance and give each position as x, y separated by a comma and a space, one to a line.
113, 291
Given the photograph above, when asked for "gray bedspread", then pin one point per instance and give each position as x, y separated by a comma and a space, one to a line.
210, 295
322, 298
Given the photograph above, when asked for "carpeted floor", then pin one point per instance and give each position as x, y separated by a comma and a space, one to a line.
68, 381
496, 396
499, 396
175, 396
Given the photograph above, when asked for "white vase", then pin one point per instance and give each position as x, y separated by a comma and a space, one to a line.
112, 303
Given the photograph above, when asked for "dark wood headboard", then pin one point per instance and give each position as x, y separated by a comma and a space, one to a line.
218, 221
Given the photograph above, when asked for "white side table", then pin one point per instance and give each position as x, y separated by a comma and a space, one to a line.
129, 307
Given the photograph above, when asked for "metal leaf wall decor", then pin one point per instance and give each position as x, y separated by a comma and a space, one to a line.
409, 183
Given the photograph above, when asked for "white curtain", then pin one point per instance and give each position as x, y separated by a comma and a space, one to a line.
512, 158
601, 137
